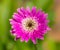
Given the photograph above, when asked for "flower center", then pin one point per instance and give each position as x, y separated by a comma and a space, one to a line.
29, 24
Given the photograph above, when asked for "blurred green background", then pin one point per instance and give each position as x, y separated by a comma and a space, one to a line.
7, 8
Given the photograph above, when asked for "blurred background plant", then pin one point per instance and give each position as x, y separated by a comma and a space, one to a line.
52, 39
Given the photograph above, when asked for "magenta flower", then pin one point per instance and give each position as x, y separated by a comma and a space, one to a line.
29, 24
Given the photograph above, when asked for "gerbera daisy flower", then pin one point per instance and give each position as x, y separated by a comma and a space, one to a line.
29, 24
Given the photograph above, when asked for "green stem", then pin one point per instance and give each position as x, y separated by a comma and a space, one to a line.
35, 46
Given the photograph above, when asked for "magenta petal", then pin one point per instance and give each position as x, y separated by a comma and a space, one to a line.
34, 11
28, 9
27, 38
20, 12
33, 40
17, 19
23, 37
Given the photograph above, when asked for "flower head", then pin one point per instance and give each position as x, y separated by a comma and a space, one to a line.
29, 24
